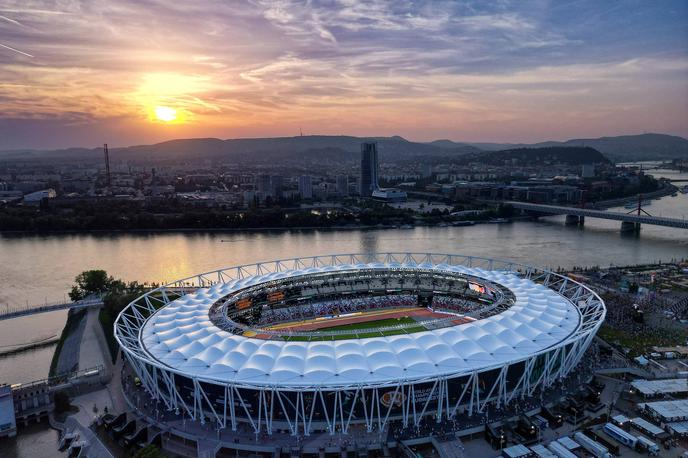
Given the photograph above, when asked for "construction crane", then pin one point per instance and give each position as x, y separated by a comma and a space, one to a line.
107, 165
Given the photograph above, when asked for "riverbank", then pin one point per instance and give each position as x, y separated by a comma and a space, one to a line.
392, 222
66, 356
666, 190
183, 230
201, 230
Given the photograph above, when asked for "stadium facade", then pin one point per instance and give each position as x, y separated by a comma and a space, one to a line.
251, 344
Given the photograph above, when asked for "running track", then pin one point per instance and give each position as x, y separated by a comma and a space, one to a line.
422, 314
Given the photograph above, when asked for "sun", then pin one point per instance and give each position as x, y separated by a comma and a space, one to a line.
165, 114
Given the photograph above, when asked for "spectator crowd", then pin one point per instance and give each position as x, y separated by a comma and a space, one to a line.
334, 307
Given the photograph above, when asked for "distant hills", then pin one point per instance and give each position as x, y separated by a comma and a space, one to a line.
256, 149
619, 149
345, 148
574, 155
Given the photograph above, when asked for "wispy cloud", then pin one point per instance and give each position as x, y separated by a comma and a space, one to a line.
468, 69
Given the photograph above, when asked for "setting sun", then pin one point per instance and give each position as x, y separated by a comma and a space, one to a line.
165, 114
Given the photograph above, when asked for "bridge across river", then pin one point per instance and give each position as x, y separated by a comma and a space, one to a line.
8, 312
577, 215
16, 312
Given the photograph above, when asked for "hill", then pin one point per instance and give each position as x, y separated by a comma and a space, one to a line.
619, 149
346, 148
574, 155
636, 147
253, 149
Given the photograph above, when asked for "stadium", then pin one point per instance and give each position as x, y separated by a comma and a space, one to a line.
320, 344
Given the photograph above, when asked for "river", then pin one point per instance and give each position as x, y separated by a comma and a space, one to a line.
39, 268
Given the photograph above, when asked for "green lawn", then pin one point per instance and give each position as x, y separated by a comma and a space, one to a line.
362, 327
372, 324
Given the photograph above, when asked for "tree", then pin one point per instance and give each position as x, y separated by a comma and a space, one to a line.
90, 282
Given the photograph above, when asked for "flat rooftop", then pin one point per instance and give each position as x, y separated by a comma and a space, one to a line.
669, 410
655, 387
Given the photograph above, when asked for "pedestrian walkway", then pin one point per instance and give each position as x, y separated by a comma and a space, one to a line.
94, 351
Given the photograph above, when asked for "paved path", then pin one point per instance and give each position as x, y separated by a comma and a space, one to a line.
93, 351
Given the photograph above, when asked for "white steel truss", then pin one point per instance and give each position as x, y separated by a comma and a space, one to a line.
303, 410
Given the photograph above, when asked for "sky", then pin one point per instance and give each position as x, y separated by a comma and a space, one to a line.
81, 73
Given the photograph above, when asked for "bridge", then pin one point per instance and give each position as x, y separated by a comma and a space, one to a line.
576, 215
16, 312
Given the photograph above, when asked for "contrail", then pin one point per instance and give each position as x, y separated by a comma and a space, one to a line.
29, 11
16, 50
11, 21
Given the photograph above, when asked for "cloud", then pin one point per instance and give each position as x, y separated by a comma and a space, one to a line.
428, 65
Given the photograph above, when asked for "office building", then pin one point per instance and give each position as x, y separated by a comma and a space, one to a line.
276, 186
588, 171
342, 185
263, 185
306, 187
369, 168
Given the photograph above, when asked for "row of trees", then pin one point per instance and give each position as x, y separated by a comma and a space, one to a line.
97, 283
32, 219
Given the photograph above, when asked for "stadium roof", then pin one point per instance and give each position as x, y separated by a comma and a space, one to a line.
182, 337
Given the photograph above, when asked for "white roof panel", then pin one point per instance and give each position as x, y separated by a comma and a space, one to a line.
181, 336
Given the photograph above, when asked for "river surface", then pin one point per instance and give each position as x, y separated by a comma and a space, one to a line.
41, 268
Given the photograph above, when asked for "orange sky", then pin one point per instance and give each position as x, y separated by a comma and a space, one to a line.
81, 73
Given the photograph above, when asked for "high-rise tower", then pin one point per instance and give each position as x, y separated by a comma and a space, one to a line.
369, 167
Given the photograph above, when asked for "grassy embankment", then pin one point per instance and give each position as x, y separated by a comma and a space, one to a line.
73, 320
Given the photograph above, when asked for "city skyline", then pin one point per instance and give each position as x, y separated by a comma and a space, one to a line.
128, 72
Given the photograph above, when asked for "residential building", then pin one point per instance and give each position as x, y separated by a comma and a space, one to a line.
306, 187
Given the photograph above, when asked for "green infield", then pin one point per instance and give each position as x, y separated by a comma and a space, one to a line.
383, 323
363, 330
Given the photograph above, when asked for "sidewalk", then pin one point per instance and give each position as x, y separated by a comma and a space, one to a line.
93, 348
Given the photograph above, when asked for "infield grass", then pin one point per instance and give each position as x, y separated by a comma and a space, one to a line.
358, 330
